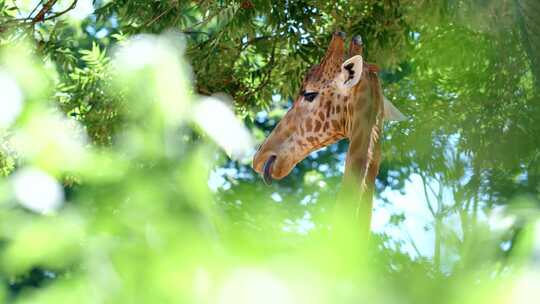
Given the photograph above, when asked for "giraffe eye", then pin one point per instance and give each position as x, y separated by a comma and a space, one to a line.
310, 96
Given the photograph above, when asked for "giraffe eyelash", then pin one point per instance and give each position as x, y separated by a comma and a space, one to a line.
310, 96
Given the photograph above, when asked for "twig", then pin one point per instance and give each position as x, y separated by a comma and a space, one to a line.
247, 43
426, 194
158, 16
40, 17
204, 21
34, 10
413, 243
195, 32
72, 6
44, 10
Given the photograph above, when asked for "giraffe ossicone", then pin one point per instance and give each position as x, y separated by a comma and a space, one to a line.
339, 98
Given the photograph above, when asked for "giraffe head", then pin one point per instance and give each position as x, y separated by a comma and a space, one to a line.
322, 112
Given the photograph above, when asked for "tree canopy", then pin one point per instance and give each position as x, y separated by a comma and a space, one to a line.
102, 105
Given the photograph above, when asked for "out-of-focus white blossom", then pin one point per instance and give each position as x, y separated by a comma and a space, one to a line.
221, 124
52, 141
247, 286
11, 100
37, 191
160, 59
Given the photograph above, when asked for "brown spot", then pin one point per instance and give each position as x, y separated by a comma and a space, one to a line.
326, 125
318, 126
312, 139
338, 108
328, 108
287, 131
321, 115
328, 104
308, 125
335, 124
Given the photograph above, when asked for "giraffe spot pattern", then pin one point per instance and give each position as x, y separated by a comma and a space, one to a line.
318, 126
335, 124
332, 112
328, 108
308, 125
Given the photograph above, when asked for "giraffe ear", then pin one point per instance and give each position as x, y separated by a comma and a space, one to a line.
351, 71
391, 112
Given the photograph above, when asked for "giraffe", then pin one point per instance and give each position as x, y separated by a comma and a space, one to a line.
340, 98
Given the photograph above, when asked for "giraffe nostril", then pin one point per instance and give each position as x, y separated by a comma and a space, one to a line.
267, 169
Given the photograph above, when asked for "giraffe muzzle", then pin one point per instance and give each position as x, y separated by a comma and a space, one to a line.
267, 169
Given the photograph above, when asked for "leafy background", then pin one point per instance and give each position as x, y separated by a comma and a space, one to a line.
150, 209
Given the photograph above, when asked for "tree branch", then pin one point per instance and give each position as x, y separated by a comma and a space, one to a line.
158, 16
34, 10
40, 17
44, 10
56, 15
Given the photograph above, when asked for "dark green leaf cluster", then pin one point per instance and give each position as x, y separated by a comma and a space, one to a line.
153, 212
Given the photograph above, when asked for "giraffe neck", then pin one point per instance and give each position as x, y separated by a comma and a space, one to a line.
363, 156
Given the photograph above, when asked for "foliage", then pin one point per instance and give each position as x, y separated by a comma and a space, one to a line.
136, 204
